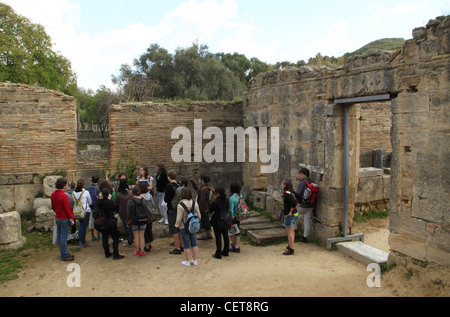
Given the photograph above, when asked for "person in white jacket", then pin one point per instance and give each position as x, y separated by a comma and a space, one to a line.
83, 195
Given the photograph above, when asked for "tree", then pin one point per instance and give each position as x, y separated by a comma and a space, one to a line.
95, 107
191, 73
26, 55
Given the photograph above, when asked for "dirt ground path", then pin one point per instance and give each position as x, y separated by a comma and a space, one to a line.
255, 272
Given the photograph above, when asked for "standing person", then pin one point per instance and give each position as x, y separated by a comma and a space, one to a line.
144, 177
107, 207
64, 218
189, 239
290, 214
305, 208
219, 206
93, 190
122, 197
169, 198
161, 184
69, 192
85, 198
235, 197
204, 196
148, 235
136, 206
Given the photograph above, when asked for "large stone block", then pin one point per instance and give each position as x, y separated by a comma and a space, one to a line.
45, 219
49, 185
39, 202
11, 231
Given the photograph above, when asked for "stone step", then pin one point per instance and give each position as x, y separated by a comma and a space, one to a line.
362, 252
259, 226
255, 220
267, 235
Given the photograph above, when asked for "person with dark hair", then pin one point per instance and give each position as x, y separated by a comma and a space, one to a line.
290, 214
106, 205
305, 209
94, 191
85, 198
136, 205
69, 192
161, 184
169, 196
235, 197
144, 177
189, 239
64, 218
122, 197
204, 195
148, 234
218, 207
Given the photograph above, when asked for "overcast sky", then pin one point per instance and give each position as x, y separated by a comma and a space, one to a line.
98, 36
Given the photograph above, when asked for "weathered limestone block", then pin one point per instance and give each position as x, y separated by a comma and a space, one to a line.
45, 219
6, 198
11, 231
39, 202
49, 185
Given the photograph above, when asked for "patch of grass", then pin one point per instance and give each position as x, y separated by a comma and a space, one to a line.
408, 274
13, 261
373, 214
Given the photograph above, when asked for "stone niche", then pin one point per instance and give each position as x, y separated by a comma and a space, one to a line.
11, 231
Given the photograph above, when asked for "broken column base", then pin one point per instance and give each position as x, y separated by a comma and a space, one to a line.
11, 231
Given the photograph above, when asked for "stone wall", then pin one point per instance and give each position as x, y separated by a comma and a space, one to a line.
420, 217
301, 103
147, 127
37, 133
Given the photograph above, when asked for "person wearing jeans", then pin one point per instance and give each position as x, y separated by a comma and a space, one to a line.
290, 214
305, 209
64, 218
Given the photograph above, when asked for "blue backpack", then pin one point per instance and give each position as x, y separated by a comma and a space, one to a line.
192, 224
93, 192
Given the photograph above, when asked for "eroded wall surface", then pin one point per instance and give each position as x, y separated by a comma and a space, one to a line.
301, 103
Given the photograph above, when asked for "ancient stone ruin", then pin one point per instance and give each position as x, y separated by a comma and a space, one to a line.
373, 133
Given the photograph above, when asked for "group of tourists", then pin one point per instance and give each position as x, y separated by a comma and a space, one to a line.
189, 217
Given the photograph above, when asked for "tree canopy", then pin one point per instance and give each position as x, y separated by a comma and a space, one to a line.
26, 55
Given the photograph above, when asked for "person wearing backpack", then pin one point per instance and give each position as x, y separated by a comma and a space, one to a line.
205, 195
235, 198
148, 234
104, 211
137, 217
290, 214
172, 202
187, 212
94, 191
221, 221
123, 195
82, 197
306, 208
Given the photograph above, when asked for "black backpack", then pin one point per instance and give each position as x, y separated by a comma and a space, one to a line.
225, 219
99, 218
141, 217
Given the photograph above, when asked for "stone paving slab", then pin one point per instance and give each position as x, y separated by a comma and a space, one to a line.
362, 252
259, 226
266, 236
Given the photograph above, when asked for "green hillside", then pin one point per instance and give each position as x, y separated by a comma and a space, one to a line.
390, 44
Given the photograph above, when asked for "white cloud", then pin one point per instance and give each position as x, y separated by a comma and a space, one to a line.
335, 42
409, 8
95, 57
377, 14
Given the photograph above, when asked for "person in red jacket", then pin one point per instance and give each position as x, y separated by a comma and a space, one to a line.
64, 217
